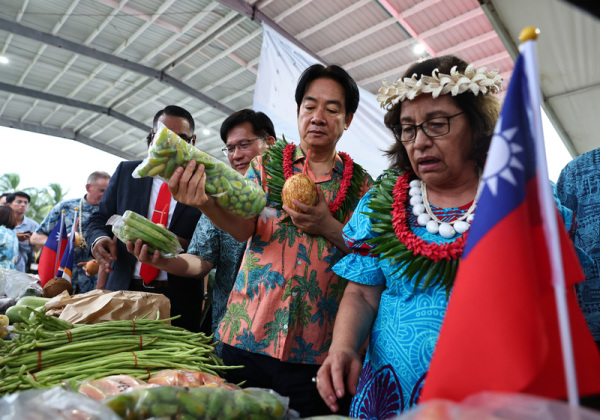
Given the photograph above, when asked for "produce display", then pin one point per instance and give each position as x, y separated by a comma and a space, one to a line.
22, 310
231, 190
48, 351
172, 402
132, 226
4, 321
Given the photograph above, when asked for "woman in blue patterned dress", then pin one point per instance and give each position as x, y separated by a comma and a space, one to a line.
9, 244
407, 235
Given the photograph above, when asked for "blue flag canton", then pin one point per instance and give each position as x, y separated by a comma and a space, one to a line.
511, 161
55, 235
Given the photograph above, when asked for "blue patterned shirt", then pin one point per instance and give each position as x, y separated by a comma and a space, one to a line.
81, 282
25, 250
220, 249
578, 188
9, 247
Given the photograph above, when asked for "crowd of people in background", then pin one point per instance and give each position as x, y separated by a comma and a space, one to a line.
300, 299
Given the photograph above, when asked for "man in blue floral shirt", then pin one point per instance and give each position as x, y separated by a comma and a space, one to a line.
83, 208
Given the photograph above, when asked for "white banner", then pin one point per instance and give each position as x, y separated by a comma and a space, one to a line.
281, 64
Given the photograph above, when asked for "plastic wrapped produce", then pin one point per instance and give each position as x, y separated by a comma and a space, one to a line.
132, 226
171, 402
231, 190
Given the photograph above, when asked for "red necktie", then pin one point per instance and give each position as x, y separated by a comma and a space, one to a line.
160, 215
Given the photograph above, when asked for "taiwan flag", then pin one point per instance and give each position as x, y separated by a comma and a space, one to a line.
65, 270
55, 244
501, 330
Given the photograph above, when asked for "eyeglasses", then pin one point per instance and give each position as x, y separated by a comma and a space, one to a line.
243, 146
434, 127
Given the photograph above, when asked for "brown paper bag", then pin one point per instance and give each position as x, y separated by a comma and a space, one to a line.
103, 305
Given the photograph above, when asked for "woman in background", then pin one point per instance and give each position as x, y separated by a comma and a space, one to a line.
9, 244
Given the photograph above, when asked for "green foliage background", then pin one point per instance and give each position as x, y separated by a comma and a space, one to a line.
42, 199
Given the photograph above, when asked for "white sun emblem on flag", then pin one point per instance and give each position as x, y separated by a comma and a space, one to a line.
501, 158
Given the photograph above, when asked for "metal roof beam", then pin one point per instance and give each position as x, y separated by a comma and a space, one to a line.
160, 76
66, 134
19, 90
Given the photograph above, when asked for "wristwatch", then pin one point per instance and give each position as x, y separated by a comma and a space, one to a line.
206, 295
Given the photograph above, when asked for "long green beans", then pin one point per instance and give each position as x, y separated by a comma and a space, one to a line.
48, 351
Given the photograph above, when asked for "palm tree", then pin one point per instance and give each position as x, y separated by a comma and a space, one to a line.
42, 199
9, 182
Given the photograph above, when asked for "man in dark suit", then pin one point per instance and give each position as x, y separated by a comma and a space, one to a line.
139, 195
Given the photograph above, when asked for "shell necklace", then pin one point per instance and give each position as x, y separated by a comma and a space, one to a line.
425, 216
83, 244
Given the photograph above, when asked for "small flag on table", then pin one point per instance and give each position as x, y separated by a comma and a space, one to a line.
53, 251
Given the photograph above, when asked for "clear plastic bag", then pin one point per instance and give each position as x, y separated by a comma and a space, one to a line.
498, 406
15, 284
53, 403
132, 226
172, 402
231, 190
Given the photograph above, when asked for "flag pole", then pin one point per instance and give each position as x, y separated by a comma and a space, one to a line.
58, 248
549, 215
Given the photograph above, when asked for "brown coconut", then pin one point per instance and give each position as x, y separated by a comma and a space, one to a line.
91, 267
77, 240
299, 187
56, 286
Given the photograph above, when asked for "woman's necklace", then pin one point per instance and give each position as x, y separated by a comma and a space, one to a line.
278, 163
427, 264
426, 217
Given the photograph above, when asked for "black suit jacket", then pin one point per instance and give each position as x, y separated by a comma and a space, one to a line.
127, 193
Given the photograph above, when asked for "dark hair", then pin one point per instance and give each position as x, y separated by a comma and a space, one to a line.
173, 111
481, 111
261, 123
11, 197
335, 73
6, 217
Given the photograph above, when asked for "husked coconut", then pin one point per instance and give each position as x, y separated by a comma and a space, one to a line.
299, 187
55, 286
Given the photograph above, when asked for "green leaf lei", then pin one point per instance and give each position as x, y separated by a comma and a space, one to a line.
432, 264
273, 164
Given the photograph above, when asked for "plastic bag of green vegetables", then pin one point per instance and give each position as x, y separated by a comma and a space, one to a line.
172, 402
132, 226
231, 190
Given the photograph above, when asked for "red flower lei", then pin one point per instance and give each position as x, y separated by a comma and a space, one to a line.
334, 206
433, 251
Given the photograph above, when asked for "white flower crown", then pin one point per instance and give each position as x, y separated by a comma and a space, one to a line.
455, 83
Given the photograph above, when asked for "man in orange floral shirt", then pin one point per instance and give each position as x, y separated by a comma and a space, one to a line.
280, 314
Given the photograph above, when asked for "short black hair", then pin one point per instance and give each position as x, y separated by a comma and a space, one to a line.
173, 111
11, 197
335, 73
261, 123
6, 217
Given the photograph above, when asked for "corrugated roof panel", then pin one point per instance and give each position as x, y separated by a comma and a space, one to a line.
343, 28
42, 15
